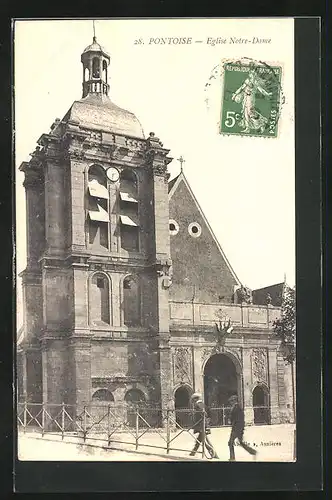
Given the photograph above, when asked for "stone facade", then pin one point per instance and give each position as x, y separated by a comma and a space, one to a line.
137, 323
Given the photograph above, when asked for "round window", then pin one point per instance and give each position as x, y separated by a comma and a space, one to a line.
194, 229
173, 227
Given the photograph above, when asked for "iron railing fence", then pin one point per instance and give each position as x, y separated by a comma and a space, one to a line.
126, 424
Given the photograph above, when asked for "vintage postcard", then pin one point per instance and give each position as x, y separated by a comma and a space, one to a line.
155, 202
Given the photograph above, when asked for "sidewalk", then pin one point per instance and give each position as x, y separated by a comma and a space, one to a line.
273, 443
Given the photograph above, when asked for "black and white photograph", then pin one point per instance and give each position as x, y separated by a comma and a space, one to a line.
155, 240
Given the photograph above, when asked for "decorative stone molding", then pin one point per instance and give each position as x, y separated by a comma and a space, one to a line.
182, 365
135, 145
259, 365
95, 135
156, 157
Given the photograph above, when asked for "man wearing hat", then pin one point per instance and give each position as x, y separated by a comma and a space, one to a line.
199, 418
237, 422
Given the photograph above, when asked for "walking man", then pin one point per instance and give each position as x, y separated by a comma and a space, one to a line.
200, 418
237, 422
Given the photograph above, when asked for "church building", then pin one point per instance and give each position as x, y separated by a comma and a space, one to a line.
128, 296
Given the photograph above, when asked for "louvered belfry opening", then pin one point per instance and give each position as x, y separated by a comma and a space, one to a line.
129, 223
98, 208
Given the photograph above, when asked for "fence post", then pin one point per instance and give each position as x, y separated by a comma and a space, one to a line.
108, 425
25, 417
136, 428
168, 431
63, 421
43, 420
84, 423
203, 440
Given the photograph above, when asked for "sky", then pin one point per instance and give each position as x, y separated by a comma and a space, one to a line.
245, 185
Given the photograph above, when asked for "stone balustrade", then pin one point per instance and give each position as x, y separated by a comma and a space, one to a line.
241, 315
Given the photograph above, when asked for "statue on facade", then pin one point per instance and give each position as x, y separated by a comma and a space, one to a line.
224, 327
244, 295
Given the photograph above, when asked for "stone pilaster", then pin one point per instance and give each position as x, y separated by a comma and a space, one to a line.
198, 374
247, 387
55, 208
79, 378
79, 295
273, 376
55, 365
33, 374
77, 208
156, 159
32, 305
35, 215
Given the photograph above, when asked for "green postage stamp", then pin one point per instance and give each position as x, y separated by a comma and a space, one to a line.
251, 99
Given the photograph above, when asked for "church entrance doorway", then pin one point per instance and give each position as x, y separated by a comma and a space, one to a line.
182, 406
221, 381
260, 402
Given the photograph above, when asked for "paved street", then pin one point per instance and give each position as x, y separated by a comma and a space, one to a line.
273, 443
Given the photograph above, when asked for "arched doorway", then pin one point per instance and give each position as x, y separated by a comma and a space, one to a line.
260, 402
221, 380
135, 400
182, 406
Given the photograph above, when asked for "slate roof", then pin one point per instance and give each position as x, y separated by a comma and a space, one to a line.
99, 112
276, 291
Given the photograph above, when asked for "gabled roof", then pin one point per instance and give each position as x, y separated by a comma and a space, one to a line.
172, 182
173, 185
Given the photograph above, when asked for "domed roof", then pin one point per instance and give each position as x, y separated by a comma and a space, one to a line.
100, 113
94, 47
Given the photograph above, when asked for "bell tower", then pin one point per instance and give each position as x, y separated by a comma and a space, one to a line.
99, 269
95, 63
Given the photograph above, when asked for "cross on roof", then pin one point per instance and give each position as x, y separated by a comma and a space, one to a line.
181, 160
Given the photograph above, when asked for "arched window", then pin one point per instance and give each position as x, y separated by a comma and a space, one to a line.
128, 181
86, 74
131, 301
99, 300
135, 397
98, 207
95, 68
183, 412
103, 395
260, 402
104, 71
96, 172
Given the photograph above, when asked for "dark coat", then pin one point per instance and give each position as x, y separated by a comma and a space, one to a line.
237, 418
199, 413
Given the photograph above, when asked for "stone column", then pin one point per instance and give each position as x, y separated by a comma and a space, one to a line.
273, 378
247, 387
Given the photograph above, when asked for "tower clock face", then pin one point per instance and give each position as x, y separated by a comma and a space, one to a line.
113, 174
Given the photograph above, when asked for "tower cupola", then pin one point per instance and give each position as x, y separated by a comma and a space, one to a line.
95, 68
